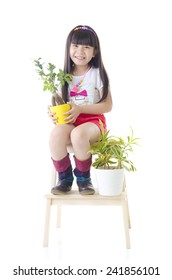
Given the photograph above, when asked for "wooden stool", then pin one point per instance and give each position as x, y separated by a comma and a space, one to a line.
74, 198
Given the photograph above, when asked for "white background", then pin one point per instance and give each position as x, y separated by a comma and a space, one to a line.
136, 44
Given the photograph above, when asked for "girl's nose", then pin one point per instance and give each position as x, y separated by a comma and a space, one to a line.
80, 50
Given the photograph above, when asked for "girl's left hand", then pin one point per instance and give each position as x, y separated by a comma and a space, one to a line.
73, 113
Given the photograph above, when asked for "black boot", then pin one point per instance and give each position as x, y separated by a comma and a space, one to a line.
65, 181
84, 182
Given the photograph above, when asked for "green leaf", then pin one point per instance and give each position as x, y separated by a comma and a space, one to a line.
113, 151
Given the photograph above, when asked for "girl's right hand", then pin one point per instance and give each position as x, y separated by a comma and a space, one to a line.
51, 115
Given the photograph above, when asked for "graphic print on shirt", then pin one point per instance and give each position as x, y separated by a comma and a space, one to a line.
86, 89
77, 93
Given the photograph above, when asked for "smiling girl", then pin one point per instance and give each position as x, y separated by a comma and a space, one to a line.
90, 97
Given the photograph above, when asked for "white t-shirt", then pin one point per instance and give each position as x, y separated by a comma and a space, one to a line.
88, 88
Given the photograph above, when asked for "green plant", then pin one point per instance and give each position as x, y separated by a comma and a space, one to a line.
113, 152
52, 79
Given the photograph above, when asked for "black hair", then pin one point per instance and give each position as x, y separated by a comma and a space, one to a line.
85, 35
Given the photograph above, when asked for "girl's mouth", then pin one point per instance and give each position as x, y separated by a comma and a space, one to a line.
80, 57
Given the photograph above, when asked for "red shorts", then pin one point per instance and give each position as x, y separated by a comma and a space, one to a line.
84, 118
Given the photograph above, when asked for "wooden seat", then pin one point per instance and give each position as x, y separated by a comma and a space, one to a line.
75, 198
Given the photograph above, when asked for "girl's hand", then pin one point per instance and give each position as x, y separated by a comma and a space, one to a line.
73, 113
51, 115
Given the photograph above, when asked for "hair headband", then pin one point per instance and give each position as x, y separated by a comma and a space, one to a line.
84, 28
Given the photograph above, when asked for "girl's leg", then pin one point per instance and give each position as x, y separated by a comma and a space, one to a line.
59, 139
81, 138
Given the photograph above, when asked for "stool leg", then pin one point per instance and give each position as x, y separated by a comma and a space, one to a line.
126, 222
129, 220
47, 223
59, 215
124, 190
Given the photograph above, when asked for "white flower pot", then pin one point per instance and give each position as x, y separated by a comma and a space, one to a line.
110, 181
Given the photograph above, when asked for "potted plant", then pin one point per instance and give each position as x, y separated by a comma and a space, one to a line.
110, 159
52, 79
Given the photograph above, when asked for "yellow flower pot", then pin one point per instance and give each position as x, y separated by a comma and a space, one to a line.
59, 110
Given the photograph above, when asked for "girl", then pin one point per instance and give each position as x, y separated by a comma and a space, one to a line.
90, 97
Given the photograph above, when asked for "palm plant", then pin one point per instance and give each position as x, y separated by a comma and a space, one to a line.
113, 152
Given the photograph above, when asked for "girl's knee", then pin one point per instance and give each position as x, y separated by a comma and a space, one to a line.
55, 131
59, 132
78, 135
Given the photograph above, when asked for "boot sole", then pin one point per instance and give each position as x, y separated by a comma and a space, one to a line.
57, 192
87, 192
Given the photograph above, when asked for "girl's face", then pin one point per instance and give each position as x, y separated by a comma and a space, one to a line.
81, 54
